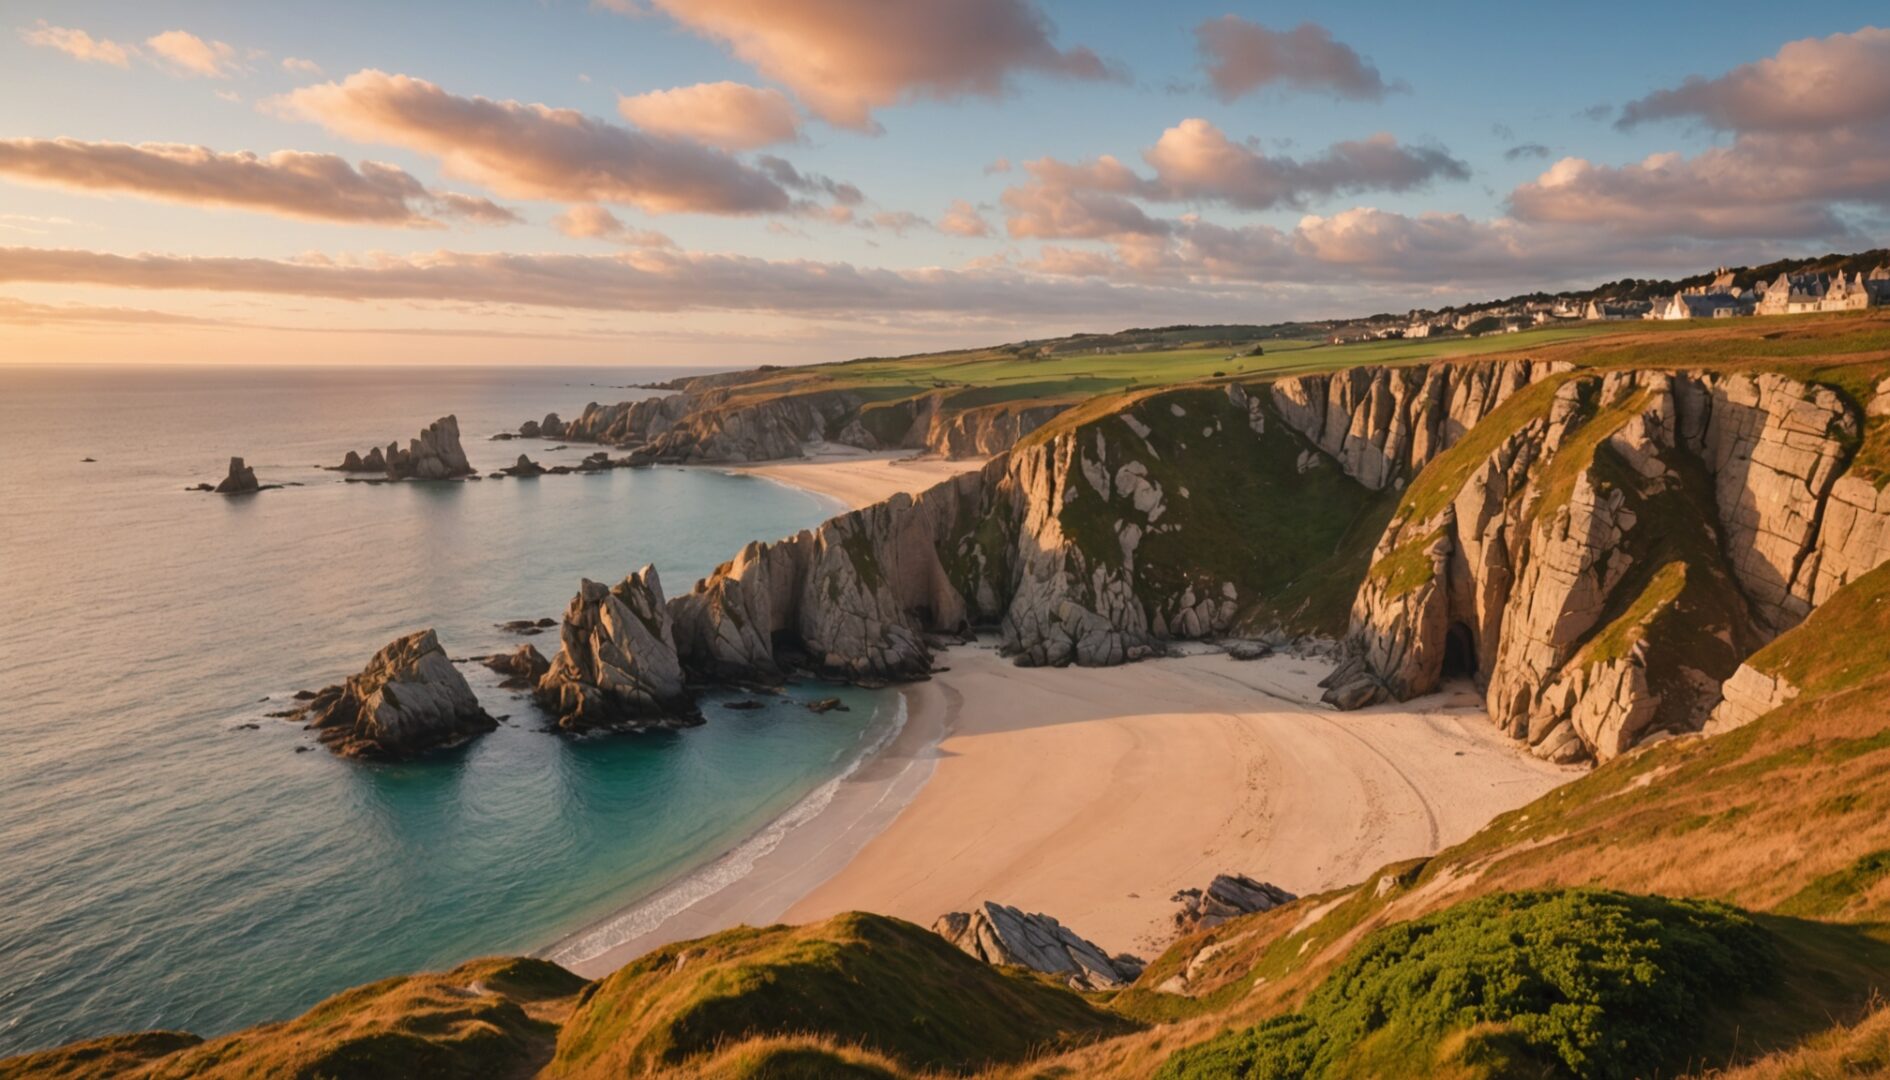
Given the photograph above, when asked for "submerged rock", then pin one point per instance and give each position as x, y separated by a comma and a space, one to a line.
617, 667
524, 467
1000, 934
409, 699
240, 481
522, 667
1226, 897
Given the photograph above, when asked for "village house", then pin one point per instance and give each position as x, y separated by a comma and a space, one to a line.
1616, 310
1793, 294
1687, 304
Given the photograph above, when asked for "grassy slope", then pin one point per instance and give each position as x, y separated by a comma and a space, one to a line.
894, 989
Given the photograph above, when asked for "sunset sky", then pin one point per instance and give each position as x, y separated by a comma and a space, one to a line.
732, 182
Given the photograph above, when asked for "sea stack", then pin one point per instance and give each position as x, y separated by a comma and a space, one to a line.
409, 699
435, 455
617, 668
240, 481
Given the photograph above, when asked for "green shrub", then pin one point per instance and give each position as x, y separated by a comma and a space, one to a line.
1588, 982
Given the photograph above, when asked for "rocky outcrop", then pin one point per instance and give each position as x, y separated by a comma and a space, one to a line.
999, 934
549, 428
408, 700
1228, 896
617, 667
1748, 695
240, 480
522, 667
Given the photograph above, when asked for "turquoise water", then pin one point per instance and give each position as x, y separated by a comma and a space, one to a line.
160, 866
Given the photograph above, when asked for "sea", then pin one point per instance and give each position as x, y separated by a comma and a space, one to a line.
172, 856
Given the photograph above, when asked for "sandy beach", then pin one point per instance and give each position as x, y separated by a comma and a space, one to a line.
859, 478
1094, 794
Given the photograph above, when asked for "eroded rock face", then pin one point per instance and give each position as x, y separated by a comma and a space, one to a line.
617, 667
408, 700
851, 599
1605, 567
1000, 934
240, 480
1228, 896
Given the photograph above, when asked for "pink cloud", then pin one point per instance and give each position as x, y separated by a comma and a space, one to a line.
725, 114
78, 44
844, 59
1809, 85
187, 54
963, 219
1194, 161
540, 152
597, 223
290, 183
1242, 57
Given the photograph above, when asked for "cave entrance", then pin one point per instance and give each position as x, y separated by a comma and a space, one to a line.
1460, 652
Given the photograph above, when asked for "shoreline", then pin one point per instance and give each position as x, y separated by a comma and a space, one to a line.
1168, 772
857, 478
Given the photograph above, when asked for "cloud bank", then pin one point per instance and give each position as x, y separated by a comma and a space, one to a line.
1241, 57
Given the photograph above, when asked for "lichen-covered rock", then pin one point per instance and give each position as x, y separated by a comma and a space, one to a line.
1004, 935
408, 700
617, 667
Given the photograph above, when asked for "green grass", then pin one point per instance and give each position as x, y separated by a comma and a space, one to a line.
1583, 982
888, 986
1828, 651
1830, 894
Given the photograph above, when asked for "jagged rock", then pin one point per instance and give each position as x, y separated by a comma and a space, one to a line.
824, 705
434, 455
617, 667
522, 667
409, 699
999, 934
1249, 650
241, 480
1227, 896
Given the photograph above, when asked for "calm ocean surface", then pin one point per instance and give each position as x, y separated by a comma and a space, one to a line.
160, 866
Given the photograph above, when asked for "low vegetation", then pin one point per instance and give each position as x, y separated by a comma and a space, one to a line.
1585, 982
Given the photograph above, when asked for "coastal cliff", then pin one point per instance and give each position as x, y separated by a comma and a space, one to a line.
1597, 550
714, 421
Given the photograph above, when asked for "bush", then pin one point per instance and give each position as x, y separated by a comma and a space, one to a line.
1587, 982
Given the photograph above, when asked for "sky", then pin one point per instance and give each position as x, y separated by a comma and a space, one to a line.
724, 183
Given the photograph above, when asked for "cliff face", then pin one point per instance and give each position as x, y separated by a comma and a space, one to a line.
1604, 551
853, 597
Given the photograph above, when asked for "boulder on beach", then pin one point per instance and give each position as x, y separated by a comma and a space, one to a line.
408, 700
1226, 897
240, 481
616, 667
1000, 934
